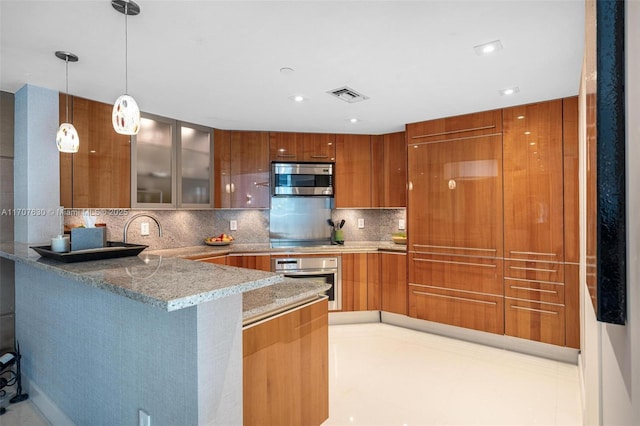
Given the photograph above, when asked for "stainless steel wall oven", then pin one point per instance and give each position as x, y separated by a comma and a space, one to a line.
325, 269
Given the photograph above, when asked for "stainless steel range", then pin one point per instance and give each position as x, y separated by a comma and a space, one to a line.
324, 269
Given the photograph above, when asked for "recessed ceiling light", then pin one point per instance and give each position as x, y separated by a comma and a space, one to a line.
286, 70
509, 91
297, 98
487, 48
353, 120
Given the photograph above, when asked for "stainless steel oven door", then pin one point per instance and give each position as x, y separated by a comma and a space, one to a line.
323, 276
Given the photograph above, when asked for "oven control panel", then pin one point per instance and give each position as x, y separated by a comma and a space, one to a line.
304, 263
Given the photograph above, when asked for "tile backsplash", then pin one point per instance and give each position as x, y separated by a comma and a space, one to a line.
181, 228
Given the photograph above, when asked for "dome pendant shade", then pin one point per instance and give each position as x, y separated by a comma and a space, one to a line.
126, 113
126, 116
67, 138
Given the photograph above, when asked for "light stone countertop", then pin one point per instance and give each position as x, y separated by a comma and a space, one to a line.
279, 297
163, 278
265, 248
168, 283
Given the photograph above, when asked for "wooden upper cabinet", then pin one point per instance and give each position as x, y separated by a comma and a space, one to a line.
318, 147
222, 169
353, 171
389, 170
533, 181
241, 169
99, 174
250, 169
307, 147
285, 146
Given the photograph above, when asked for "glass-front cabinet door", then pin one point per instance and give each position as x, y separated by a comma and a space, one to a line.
195, 148
154, 163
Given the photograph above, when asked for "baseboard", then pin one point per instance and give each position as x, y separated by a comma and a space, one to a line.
356, 317
47, 407
583, 398
542, 350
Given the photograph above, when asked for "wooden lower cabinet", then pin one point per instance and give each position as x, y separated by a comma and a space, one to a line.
217, 259
542, 322
477, 311
286, 368
259, 262
354, 281
374, 282
393, 279
572, 305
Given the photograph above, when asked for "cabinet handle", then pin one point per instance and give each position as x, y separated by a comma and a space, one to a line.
534, 281
515, 287
464, 299
286, 155
453, 131
454, 139
521, 268
454, 248
455, 263
532, 253
319, 156
542, 311
261, 183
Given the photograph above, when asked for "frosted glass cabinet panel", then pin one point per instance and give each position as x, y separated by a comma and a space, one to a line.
195, 164
153, 161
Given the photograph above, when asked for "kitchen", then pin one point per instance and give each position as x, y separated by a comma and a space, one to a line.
383, 226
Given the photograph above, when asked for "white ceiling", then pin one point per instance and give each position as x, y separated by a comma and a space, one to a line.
217, 63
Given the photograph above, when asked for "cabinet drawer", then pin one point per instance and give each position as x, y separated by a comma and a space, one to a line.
534, 270
477, 274
541, 322
535, 291
482, 312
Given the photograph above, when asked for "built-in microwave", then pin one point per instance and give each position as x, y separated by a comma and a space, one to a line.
302, 179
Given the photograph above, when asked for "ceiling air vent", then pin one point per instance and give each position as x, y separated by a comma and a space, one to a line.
348, 95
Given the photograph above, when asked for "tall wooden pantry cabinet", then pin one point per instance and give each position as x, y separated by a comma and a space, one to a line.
493, 221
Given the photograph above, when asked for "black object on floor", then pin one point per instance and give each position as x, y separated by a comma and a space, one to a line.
19, 397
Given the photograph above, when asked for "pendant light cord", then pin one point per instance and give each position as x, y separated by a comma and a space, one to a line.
66, 65
126, 49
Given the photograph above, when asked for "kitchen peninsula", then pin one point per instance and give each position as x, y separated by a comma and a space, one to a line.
104, 341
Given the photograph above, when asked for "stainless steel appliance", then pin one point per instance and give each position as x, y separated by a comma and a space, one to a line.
302, 179
325, 269
299, 221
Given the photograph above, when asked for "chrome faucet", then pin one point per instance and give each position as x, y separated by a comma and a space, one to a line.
134, 217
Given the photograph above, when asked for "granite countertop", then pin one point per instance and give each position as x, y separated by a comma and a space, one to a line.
265, 248
169, 283
289, 293
165, 279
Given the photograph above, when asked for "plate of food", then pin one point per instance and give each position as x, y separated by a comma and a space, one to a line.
399, 237
220, 240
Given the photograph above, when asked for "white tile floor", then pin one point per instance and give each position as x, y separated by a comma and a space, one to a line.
385, 375
23, 414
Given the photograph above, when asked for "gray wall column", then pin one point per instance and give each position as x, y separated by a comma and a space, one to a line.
36, 165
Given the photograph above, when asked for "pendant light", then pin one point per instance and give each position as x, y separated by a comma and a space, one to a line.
67, 137
126, 114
